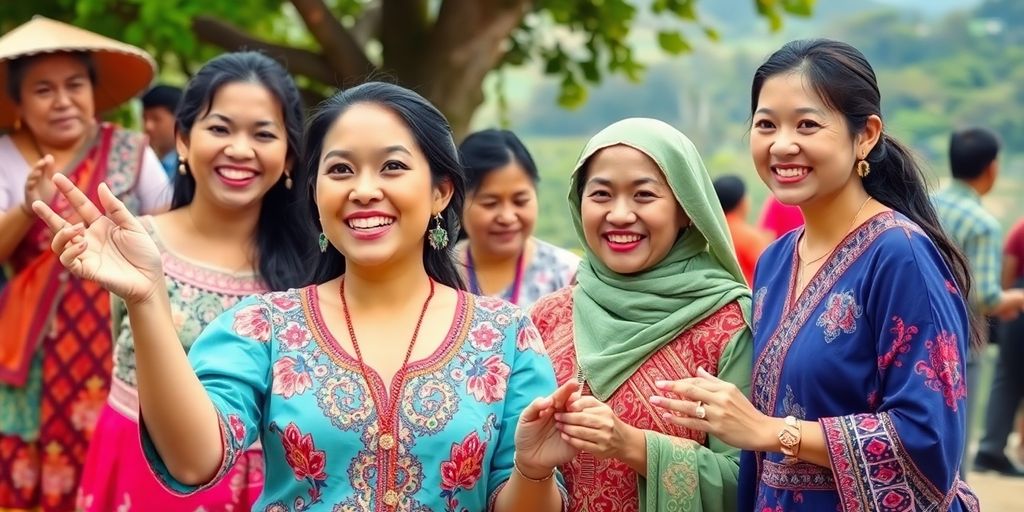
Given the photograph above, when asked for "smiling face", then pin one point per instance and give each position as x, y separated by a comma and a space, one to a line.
374, 189
57, 103
237, 149
500, 214
631, 219
802, 149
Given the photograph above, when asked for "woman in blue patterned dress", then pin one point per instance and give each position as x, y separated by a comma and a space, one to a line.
384, 387
860, 326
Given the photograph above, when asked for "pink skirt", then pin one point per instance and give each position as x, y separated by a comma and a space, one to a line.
117, 478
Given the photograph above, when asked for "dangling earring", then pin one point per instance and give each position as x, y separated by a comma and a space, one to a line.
17, 124
288, 181
863, 168
182, 170
322, 241
437, 236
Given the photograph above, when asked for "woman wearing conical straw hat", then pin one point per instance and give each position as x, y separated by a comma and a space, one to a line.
55, 344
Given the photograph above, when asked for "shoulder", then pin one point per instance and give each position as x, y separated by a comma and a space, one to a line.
563, 260
552, 304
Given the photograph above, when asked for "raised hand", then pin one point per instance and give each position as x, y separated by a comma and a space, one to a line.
113, 249
539, 445
592, 426
39, 184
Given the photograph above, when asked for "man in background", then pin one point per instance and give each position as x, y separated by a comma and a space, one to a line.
974, 164
158, 106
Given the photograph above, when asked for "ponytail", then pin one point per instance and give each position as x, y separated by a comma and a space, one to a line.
896, 180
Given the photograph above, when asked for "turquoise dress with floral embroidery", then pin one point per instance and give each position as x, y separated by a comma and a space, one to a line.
274, 371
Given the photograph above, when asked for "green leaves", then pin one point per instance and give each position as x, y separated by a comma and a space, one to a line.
673, 42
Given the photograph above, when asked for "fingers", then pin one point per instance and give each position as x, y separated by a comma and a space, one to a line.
66, 234
694, 388
583, 419
54, 221
683, 407
701, 372
45, 166
78, 200
534, 410
583, 403
688, 422
70, 256
580, 444
563, 394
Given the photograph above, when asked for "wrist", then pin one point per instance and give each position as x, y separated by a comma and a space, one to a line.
768, 435
155, 298
531, 472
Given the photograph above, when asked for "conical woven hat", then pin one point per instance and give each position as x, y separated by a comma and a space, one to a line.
122, 70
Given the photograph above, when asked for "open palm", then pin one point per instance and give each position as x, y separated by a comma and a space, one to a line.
113, 249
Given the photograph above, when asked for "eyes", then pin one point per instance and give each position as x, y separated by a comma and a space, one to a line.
519, 202
602, 194
47, 89
391, 166
221, 130
803, 126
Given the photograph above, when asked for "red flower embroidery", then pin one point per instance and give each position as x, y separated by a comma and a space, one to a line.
484, 337
294, 336
490, 303
900, 344
237, 428
487, 379
284, 303
465, 464
291, 376
529, 339
840, 315
304, 459
250, 322
942, 369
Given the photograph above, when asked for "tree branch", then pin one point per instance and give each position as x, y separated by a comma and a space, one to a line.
297, 61
341, 50
368, 25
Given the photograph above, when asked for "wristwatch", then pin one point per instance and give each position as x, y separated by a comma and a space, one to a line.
789, 437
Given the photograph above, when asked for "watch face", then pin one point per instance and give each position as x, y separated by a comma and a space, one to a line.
788, 439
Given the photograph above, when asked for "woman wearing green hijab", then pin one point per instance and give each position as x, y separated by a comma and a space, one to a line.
659, 295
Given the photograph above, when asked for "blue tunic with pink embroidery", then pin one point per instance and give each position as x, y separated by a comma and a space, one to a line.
274, 371
874, 350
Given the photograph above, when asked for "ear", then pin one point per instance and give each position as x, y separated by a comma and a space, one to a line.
868, 139
180, 144
443, 195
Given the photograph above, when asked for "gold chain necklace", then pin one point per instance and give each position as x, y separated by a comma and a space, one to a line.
803, 239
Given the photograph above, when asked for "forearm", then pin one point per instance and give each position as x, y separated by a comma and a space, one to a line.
520, 493
179, 415
14, 224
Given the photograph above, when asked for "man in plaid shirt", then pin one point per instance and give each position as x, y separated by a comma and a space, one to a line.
973, 162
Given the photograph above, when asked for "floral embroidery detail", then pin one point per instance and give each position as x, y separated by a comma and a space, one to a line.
294, 336
86, 409
58, 473
529, 339
306, 461
237, 428
791, 407
490, 303
840, 315
900, 344
429, 402
24, 471
291, 376
487, 379
283, 302
277, 506
463, 468
251, 322
942, 369
484, 336
759, 305
952, 288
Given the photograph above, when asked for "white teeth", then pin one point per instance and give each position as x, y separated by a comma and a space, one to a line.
624, 239
235, 174
793, 172
370, 222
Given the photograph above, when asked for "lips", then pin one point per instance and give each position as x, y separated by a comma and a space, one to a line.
369, 222
236, 176
623, 241
790, 173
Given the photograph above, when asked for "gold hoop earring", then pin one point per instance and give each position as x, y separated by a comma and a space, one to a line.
863, 168
182, 170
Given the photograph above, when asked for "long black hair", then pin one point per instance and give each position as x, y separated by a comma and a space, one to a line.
434, 137
845, 81
284, 240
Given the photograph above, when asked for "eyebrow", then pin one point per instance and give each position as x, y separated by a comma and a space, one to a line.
226, 119
637, 182
48, 81
801, 110
343, 153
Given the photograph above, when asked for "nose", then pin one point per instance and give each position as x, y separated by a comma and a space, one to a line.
621, 213
240, 149
784, 145
366, 189
506, 215
63, 99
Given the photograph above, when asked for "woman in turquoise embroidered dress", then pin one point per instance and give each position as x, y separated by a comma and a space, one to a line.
385, 387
